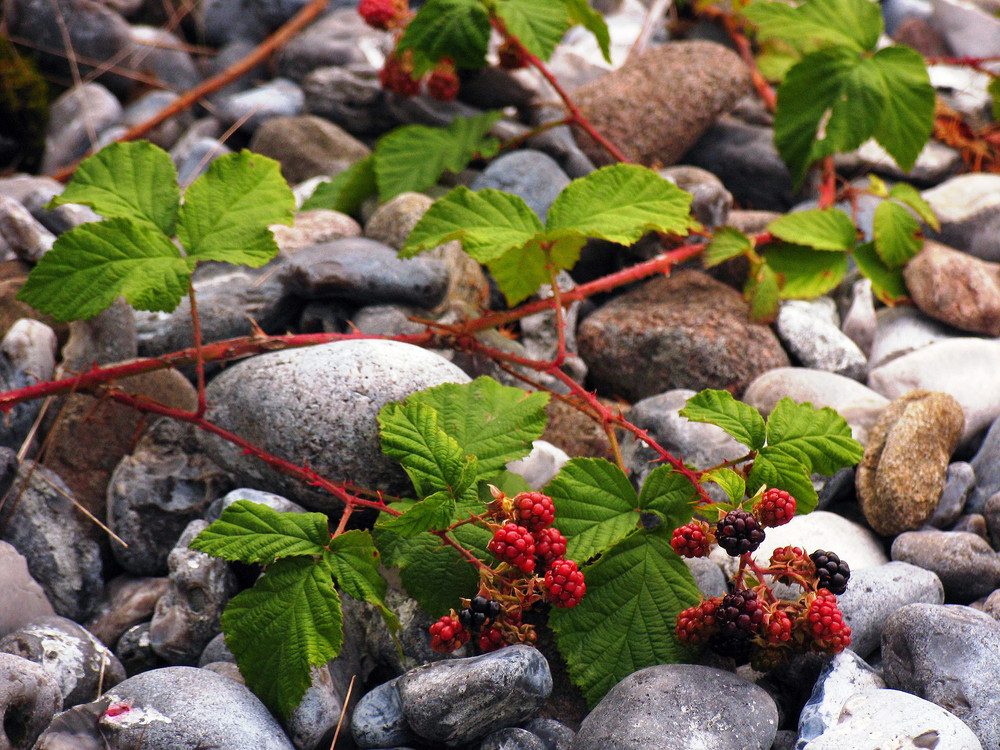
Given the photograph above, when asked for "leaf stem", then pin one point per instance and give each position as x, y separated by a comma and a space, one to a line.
199, 355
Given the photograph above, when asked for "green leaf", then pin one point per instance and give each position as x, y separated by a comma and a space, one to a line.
254, 533
726, 243
346, 191
413, 158
887, 283
434, 512
430, 457
994, 91
897, 234
908, 195
287, 623
908, 115
763, 291
820, 439
493, 422
805, 273
227, 211
809, 92
822, 229
538, 24
581, 13
740, 420
135, 180
92, 265
773, 468
733, 484
488, 223
433, 574
670, 494
353, 561
522, 270
595, 504
627, 618
855, 113
856, 24
620, 203
507, 482
459, 29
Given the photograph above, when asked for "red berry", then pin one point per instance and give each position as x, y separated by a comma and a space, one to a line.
738, 533
533, 510
695, 625
564, 585
447, 634
692, 539
378, 14
396, 76
511, 56
826, 624
550, 545
491, 640
514, 544
442, 83
777, 626
775, 508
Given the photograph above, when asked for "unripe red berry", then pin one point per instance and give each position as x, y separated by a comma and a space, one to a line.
514, 544
775, 508
550, 545
379, 14
442, 83
564, 584
693, 539
447, 634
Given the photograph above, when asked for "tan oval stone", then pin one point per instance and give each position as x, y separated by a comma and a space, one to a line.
902, 474
657, 106
956, 288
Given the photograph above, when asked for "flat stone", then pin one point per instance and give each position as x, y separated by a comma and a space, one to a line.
307, 146
844, 676
378, 719
895, 492
817, 342
21, 598
968, 207
955, 288
529, 174
856, 403
889, 718
679, 707
901, 330
278, 97
950, 655
966, 564
658, 105
975, 384
318, 407
874, 593
456, 701
682, 331
313, 227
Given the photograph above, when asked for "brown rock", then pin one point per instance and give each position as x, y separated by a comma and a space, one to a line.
922, 36
656, 107
92, 436
901, 477
313, 227
13, 275
21, 598
307, 146
956, 288
683, 331
576, 433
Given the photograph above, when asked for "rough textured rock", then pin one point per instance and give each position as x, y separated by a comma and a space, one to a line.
949, 655
682, 331
455, 701
966, 564
29, 698
896, 492
128, 601
657, 106
318, 407
678, 707
811, 333
313, 227
956, 288
307, 146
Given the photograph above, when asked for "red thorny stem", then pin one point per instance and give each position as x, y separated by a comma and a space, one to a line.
733, 26
199, 355
828, 184
576, 117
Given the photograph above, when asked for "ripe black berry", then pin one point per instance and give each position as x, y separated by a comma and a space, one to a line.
832, 573
739, 532
480, 612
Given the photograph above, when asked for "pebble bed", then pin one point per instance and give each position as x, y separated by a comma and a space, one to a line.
106, 646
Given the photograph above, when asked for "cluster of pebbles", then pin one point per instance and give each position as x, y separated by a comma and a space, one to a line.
114, 642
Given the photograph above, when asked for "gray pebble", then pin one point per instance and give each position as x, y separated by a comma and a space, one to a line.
512, 738
959, 482
966, 564
532, 175
29, 698
378, 718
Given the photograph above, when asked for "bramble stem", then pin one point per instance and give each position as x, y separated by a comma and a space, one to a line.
199, 355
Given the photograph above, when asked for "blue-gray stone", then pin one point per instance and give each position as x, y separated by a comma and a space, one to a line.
845, 675
554, 734
679, 707
378, 719
959, 481
272, 501
512, 738
873, 594
986, 465
964, 561
534, 176
457, 701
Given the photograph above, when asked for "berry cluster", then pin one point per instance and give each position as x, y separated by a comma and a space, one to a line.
533, 567
398, 72
751, 623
